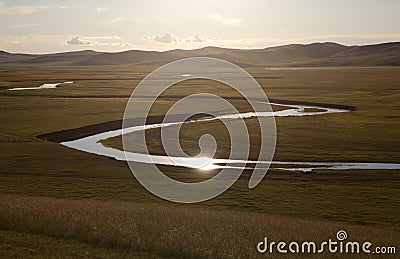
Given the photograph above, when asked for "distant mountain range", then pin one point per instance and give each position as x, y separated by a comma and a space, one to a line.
293, 55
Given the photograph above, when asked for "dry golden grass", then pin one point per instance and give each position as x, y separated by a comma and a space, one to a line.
15, 244
170, 230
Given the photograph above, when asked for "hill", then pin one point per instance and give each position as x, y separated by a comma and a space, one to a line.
293, 55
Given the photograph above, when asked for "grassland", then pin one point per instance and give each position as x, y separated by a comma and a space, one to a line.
153, 228
14, 244
325, 201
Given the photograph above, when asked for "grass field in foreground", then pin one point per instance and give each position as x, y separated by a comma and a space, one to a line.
34, 167
14, 244
170, 231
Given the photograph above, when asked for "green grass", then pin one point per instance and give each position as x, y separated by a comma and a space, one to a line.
352, 196
367, 134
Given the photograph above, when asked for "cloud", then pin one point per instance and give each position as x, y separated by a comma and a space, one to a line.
116, 20
64, 7
166, 38
195, 38
104, 38
23, 9
171, 38
22, 26
102, 9
225, 20
120, 20
98, 41
79, 41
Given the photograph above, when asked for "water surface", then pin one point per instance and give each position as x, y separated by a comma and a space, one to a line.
43, 86
92, 144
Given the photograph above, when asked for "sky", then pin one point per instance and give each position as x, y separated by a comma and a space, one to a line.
59, 26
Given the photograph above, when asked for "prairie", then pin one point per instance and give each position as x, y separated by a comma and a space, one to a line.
153, 228
54, 193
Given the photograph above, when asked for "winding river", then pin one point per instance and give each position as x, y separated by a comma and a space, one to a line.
43, 86
92, 144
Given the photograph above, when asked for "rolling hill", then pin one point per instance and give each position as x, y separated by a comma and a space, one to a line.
293, 55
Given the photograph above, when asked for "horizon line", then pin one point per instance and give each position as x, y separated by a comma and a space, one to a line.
210, 46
